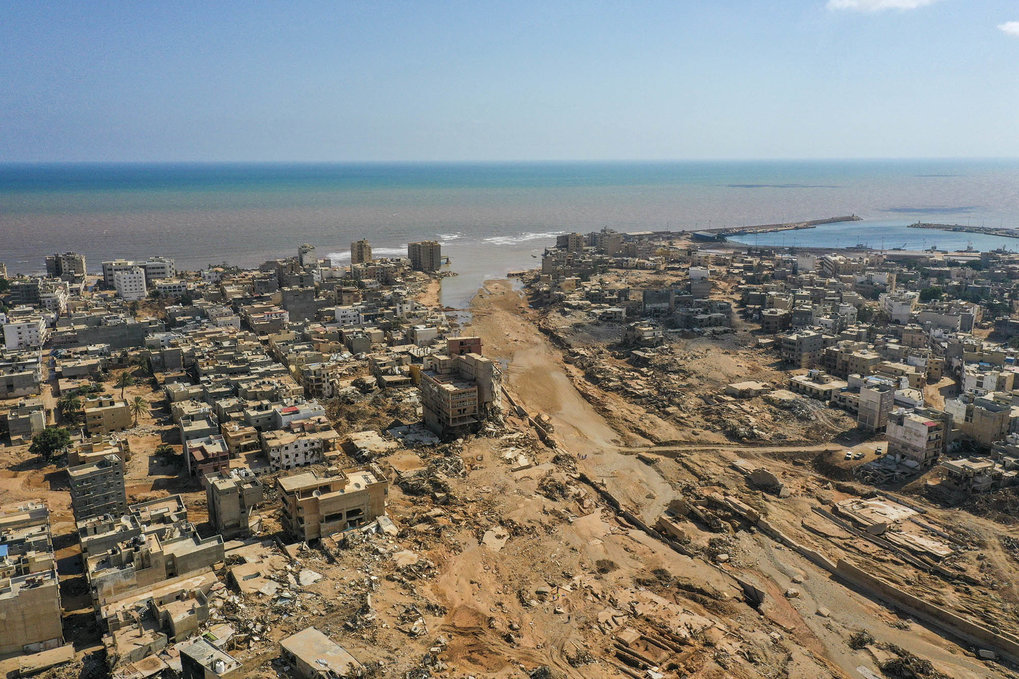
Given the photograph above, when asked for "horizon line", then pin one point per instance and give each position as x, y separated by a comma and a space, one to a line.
548, 161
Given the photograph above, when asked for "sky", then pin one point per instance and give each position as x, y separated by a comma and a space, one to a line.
507, 81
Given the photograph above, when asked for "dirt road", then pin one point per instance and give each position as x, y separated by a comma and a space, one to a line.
534, 375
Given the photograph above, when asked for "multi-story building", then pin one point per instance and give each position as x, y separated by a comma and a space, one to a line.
158, 268
317, 506
774, 321
240, 438
983, 419
171, 287
130, 283
69, 266
232, 497
24, 329
300, 443
920, 434
206, 455
29, 587
456, 391
425, 255
802, 349
360, 252
25, 420
97, 488
876, 402
105, 414
151, 543
306, 254
20, 374
96, 448
111, 267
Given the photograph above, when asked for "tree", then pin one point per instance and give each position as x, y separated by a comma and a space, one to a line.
139, 406
69, 407
933, 292
49, 441
124, 381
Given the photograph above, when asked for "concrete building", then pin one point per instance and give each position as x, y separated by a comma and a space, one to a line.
571, 242
130, 283
458, 346
313, 655
96, 448
25, 330
920, 434
425, 255
171, 287
232, 496
152, 543
457, 390
29, 587
316, 506
25, 420
206, 455
360, 252
97, 488
876, 402
985, 420
306, 254
240, 438
300, 443
105, 414
111, 267
69, 266
20, 374
802, 349
199, 659
158, 268
816, 384
900, 305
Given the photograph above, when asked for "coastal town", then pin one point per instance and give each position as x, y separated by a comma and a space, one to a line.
657, 454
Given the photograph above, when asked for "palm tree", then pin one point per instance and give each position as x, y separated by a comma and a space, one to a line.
139, 406
69, 407
124, 381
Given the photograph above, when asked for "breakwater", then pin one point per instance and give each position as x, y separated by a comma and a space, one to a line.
1001, 232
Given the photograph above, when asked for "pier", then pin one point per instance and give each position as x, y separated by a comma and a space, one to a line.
1001, 232
722, 232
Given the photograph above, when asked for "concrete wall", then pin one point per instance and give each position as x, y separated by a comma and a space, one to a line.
1003, 643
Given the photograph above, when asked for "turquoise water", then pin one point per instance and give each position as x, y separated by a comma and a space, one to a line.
882, 234
491, 217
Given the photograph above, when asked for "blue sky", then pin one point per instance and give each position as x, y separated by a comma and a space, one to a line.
392, 81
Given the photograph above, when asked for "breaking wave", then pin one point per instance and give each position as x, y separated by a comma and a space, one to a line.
522, 237
376, 252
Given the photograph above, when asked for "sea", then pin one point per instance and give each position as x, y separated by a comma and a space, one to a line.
492, 218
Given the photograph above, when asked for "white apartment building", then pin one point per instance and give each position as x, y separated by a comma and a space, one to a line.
55, 298
171, 287
157, 268
25, 332
348, 315
112, 266
130, 283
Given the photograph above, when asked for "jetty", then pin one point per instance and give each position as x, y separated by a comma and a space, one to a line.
722, 232
1001, 232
